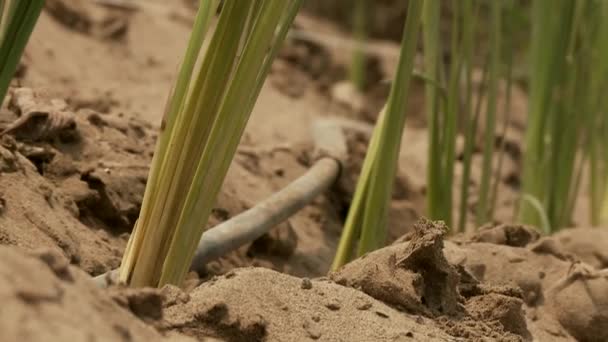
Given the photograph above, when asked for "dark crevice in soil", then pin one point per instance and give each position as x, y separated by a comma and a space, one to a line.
104, 209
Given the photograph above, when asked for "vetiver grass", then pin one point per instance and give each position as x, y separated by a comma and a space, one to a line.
367, 216
205, 118
565, 79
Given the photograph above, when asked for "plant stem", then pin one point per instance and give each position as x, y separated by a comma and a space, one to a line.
369, 208
430, 21
357, 68
373, 233
471, 118
233, 115
509, 46
489, 134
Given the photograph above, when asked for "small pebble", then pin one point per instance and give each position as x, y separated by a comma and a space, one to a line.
362, 304
334, 305
312, 330
381, 314
306, 284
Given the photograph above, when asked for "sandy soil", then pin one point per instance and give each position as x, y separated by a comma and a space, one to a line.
90, 94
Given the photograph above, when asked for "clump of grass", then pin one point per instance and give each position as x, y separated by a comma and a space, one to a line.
367, 216
204, 120
450, 97
17, 21
564, 83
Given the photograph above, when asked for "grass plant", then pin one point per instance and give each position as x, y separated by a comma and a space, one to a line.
568, 66
445, 114
367, 216
205, 117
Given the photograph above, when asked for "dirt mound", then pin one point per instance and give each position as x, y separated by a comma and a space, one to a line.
586, 244
278, 307
73, 180
45, 299
416, 277
565, 298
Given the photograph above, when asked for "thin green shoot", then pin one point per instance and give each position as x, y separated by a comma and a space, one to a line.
469, 146
358, 63
17, 21
369, 209
471, 115
551, 24
483, 202
540, 211
431, 42
509, 46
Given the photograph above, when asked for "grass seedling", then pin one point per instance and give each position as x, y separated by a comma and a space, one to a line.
369, 208
204, 120
443, 116
357, 67
432, 62
17, 21
598, 117
483, 202
566, 76
509, 12
471, 115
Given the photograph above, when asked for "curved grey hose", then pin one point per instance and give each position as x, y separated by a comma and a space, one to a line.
255, 222
246, 227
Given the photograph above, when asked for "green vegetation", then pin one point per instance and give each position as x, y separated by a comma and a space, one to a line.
17, 21
446, 101
567, 74
483, 214
360, 19
205, 118
368, 212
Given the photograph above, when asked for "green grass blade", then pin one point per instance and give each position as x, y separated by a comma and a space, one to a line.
175, 102
550, 24
187, 140
383, 172
357, 67
471, 116
509, 46
354, 219
224, 137
489, 134
20, 21
431, 40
